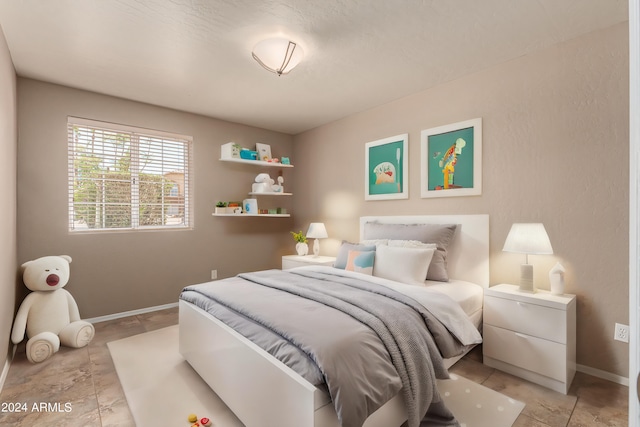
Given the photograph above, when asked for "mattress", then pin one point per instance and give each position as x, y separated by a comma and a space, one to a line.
468, 295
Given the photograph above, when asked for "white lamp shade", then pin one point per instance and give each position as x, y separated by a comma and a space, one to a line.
317, 230
278, 55
528, 238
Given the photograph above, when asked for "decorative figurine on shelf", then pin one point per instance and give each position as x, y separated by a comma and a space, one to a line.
278, 188
285, 161
263, 184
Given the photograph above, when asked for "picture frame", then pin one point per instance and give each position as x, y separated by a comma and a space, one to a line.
386, 174
451, 160
264, 151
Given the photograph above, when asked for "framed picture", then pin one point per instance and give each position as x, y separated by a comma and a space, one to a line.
451, 160
387, 168
264, 151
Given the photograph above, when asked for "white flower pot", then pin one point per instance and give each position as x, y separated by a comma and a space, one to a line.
302, 248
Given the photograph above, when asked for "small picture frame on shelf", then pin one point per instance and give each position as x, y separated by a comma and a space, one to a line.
264, 151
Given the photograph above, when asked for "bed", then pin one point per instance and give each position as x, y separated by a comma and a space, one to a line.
263, 391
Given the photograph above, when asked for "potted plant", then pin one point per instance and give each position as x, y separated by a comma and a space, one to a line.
221, 207
301, 243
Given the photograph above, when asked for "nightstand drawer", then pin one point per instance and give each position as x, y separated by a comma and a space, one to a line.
530, 319
533, 354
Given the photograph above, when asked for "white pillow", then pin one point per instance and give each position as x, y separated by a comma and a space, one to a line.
405, 265
411, 244
375, 242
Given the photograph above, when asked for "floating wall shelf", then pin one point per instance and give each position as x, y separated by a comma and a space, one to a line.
257, 163
254, 215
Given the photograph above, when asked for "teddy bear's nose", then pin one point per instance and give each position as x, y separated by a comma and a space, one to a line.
53, 279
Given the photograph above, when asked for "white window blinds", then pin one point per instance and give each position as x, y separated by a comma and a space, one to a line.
122, 177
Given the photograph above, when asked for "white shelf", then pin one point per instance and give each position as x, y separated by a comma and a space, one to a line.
257, 163
254, 215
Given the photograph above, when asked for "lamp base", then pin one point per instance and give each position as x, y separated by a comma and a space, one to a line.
526, 278
316, 247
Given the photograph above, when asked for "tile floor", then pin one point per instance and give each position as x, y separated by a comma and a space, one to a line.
79, 387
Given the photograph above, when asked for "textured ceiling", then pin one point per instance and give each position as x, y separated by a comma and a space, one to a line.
195, 55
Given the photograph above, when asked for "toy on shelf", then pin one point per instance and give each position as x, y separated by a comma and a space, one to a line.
263, 184
278, 188
248, 154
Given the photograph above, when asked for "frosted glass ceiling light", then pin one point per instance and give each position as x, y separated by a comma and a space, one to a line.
277, 55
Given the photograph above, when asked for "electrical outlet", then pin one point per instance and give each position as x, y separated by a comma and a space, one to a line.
621, 333
214, 275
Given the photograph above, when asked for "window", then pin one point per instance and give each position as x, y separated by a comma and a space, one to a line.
125, 178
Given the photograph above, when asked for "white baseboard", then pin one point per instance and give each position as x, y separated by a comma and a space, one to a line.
7, 365
5, 372
130, 313
603, 374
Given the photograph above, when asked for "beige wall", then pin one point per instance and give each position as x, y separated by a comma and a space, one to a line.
8, 148
555, 146
117, 272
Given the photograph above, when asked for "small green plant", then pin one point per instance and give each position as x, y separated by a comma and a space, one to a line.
221, 205
299, 237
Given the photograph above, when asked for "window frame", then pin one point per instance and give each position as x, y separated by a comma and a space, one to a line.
155, 139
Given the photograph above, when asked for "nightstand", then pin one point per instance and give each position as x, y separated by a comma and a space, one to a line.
291, 261
531, 335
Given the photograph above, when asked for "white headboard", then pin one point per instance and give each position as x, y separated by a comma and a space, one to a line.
468, 254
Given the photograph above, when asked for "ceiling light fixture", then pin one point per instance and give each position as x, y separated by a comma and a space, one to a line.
277, 55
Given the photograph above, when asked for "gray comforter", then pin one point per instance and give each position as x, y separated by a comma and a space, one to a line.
360, 337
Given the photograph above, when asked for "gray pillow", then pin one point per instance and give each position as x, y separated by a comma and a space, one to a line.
343, 253
440, 234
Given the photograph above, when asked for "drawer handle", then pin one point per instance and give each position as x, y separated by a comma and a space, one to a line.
518, 334
521, 304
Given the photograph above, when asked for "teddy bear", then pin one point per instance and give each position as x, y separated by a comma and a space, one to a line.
49, 314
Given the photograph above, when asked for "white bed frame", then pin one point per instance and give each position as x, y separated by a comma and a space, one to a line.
262, 391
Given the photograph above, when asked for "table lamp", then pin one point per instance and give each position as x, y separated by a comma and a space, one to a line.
528, 239
317, 231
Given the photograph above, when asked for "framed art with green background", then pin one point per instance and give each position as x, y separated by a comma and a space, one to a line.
451, 160
387, 168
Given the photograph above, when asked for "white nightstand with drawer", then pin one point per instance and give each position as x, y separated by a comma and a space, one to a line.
531, 335
291, 261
